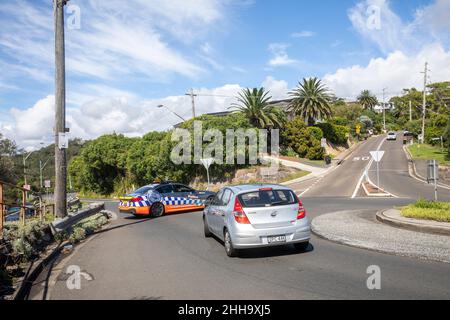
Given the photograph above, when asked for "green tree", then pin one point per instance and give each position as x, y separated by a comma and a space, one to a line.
367, 100
311, 100
255, 104
8, 150
103, 166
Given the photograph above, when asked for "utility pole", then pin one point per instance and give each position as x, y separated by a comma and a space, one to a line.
60, 114
384, 109
424, 100
192, 95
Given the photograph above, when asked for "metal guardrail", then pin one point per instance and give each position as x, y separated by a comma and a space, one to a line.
70, 220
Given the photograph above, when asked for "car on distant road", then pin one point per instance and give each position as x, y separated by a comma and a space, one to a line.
13, 213
254, 216
391, 136
158, 199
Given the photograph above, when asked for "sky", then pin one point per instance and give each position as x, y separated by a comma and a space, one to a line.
123, 59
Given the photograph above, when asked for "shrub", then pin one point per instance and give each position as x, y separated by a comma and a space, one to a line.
315, 132
433, 132
339, 121
334, 133
298, 137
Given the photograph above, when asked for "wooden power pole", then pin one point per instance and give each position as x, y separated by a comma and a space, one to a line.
60, 114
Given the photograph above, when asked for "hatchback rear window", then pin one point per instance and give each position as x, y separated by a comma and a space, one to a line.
267, 198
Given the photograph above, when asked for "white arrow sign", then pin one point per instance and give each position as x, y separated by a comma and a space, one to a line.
207, 162
377, 155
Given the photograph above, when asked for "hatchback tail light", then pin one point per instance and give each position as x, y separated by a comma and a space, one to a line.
239, 214
301, 213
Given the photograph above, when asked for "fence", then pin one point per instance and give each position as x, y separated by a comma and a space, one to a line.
41, 210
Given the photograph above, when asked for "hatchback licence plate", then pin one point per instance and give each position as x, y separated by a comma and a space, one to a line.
275, 239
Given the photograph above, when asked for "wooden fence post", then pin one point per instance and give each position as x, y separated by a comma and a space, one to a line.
24, 202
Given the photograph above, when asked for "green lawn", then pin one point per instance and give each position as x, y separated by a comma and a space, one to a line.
294, 175
428, 210
428, 152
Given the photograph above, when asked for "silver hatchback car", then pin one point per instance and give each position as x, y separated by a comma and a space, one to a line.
253, 216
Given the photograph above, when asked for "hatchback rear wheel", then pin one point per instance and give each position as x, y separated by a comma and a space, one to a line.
229, 249
302, 246
208, 233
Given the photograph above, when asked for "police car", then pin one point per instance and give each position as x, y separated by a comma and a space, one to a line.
158, 199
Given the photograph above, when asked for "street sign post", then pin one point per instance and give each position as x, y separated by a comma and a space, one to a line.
207, 163
323, 142
377, 156
433, 175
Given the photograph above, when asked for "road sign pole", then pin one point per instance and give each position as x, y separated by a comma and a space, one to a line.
436, 172
207, 173
378, 176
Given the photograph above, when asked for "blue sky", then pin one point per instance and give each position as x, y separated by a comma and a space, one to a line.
125, 60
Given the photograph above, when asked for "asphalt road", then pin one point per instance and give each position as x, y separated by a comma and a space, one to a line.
342, 181
169, 258
394, 176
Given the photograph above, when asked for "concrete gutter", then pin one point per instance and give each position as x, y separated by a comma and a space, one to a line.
394, 218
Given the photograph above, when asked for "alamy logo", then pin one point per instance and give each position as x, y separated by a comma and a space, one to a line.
242, 146
73, 282
74, 17
374, 280
373, 17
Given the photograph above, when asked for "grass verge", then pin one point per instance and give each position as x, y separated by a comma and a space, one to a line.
428, 210
428, 152
294, 175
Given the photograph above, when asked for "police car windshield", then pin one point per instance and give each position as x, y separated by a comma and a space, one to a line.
145, 189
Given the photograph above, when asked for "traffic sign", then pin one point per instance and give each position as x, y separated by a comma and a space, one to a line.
377, 155
323, 142
27, 187
207, 162
358, 129
47, 184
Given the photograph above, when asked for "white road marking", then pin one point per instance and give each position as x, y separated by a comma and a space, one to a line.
358, 185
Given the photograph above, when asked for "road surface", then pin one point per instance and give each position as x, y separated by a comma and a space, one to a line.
169, 258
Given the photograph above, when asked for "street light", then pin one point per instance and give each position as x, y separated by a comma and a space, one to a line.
163, 106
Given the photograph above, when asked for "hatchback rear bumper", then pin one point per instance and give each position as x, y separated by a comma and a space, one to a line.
259, 238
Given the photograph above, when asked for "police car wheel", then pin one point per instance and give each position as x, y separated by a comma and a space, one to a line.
157, 210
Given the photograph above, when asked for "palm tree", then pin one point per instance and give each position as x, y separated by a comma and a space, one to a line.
255, 104
367, 99
311, 100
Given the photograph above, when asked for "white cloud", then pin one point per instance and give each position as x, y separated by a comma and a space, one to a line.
377, 22
115, 40
278, 88
114, 110
280, 56
406, 45
303, 34
396, 72
435, 17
